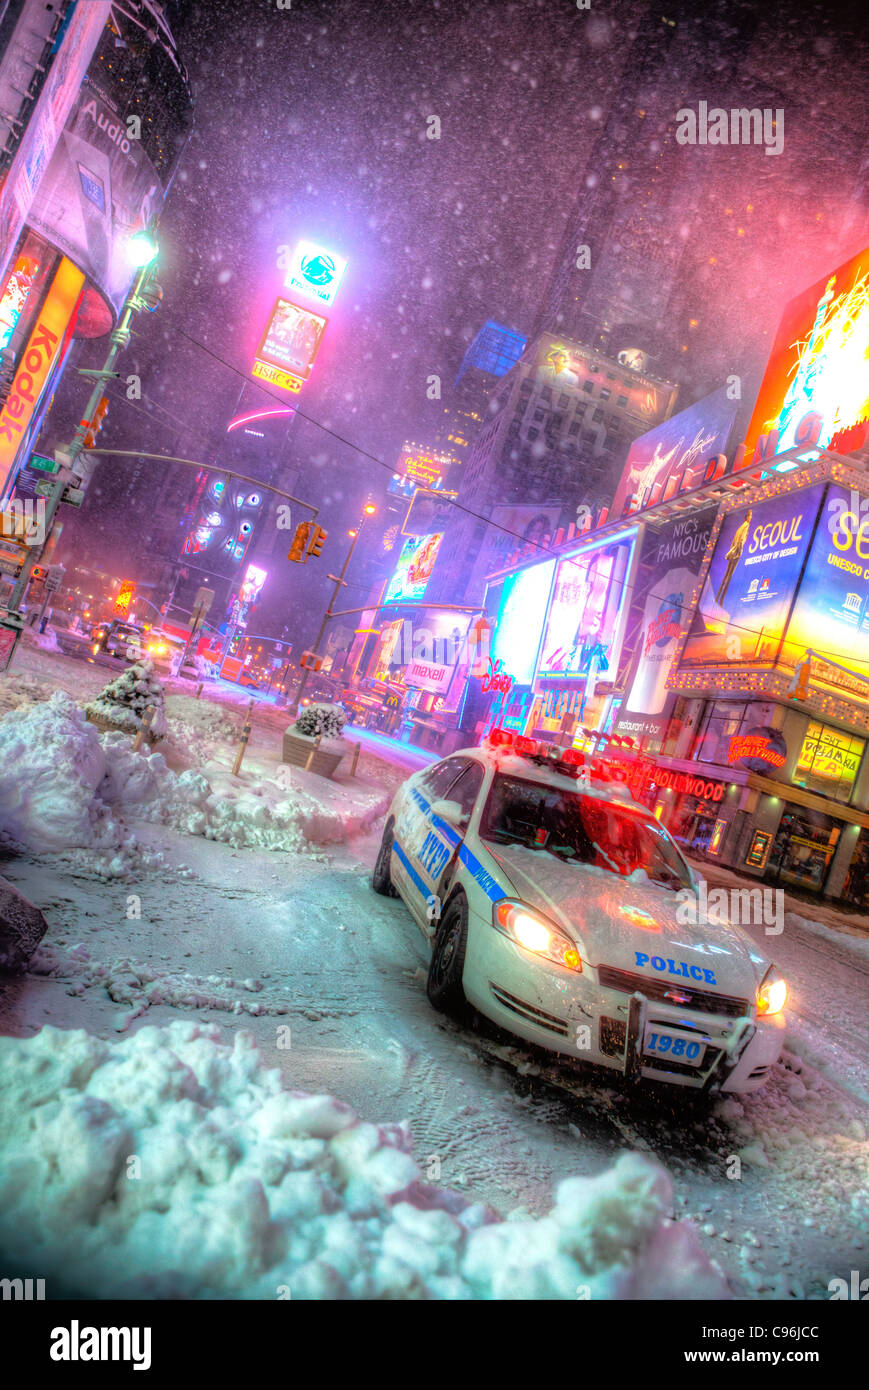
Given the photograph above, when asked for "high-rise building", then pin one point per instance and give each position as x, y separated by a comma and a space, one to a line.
490, 355
560, 424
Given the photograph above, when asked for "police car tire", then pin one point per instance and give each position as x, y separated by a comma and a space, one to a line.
381, 879
444, 984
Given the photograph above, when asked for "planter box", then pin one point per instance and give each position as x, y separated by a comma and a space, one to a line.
297, 750
107, 726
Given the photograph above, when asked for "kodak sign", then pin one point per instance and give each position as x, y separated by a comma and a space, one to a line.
35, 364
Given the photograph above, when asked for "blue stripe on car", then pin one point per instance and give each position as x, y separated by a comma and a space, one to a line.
493, 890
419, 884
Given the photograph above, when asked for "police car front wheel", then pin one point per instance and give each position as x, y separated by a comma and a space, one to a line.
444, 985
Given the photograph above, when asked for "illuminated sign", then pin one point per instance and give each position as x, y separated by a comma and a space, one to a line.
703, 788
678, 456
718, 829
816, 386
124, 598
426, 467
428, 513
833, 601
749, 586
274, 376
759, 749
315, 271
585, 610
524, 600
413, 572
292, 339
35, 364
829, 755
496, 679
759, 849
566, 365
15, 296
251, 585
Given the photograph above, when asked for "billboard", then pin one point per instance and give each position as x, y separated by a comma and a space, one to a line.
831, 614
426, 467
315, 271
415, 564
98, 189
816, 383
518, 624
564, 364
35, 365
429, 513
672, 457
292, 338
437, 650
583, 623
669, 566
751, 581
516, 533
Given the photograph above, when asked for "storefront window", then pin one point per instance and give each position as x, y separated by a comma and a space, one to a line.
721, 719
855, 889
803, 849
829, 761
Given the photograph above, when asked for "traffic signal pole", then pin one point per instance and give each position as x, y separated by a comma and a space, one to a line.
327, 617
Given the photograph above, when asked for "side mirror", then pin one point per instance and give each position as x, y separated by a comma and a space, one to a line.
450, 811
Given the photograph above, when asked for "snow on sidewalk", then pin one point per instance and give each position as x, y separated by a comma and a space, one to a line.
64, 787
170, 1164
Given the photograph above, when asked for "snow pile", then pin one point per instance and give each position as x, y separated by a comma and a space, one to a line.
125, 700
63, 787
170, 1165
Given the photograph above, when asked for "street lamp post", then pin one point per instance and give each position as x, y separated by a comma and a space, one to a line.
369, 510
145, 252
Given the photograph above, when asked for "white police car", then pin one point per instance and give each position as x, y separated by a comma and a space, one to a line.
559, 908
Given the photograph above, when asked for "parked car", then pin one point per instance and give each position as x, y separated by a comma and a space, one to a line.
561, 909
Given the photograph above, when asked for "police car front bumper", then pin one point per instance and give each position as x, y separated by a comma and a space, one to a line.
573, 1014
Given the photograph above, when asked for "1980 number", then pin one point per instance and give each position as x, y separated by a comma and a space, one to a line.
662, 1042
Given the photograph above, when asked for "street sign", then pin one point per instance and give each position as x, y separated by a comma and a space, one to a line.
43, 488
83, 466
73, 496
44, 465
55, 578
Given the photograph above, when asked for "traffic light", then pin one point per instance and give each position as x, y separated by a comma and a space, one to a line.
94, 425
311, 661
315, 545
300, 541
39, 572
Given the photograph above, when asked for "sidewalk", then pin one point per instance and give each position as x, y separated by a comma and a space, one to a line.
851, 922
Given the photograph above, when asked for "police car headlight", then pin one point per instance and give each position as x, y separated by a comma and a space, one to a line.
533, 933
772, 994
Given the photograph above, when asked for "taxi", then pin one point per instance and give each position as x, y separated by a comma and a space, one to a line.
559, 908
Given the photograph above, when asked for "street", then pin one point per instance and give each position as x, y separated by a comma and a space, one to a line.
257, 940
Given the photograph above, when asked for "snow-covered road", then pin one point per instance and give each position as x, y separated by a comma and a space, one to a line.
264, 939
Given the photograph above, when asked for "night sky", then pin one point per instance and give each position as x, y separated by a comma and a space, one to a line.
311, 122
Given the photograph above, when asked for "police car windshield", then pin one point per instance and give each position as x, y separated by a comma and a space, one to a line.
581, 829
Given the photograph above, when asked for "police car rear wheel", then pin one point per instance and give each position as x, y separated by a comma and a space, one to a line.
381, 879
444, 985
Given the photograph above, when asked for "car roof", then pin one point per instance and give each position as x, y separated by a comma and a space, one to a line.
516, 765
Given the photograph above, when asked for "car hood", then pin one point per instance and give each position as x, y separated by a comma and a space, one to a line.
617, 921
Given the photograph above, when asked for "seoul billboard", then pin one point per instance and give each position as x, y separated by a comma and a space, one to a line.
816, 385
583, 627
415, 564
751, 582
672, 457
670, 563
313, 270
292, 338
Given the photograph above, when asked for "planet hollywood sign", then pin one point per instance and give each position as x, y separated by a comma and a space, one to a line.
705, 789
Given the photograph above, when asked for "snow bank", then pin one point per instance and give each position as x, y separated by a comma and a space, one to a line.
171, 1165
64, 786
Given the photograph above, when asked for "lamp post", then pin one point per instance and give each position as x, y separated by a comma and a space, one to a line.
145, 294
354, 534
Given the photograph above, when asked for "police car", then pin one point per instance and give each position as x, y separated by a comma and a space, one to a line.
559, 908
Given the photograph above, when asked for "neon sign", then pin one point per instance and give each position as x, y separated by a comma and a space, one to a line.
315, 271
496, 679
755, 746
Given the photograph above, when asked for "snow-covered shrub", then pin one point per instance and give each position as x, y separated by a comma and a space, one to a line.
326, 720
124, 700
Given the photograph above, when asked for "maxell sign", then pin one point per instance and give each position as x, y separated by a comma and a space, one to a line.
34, 367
